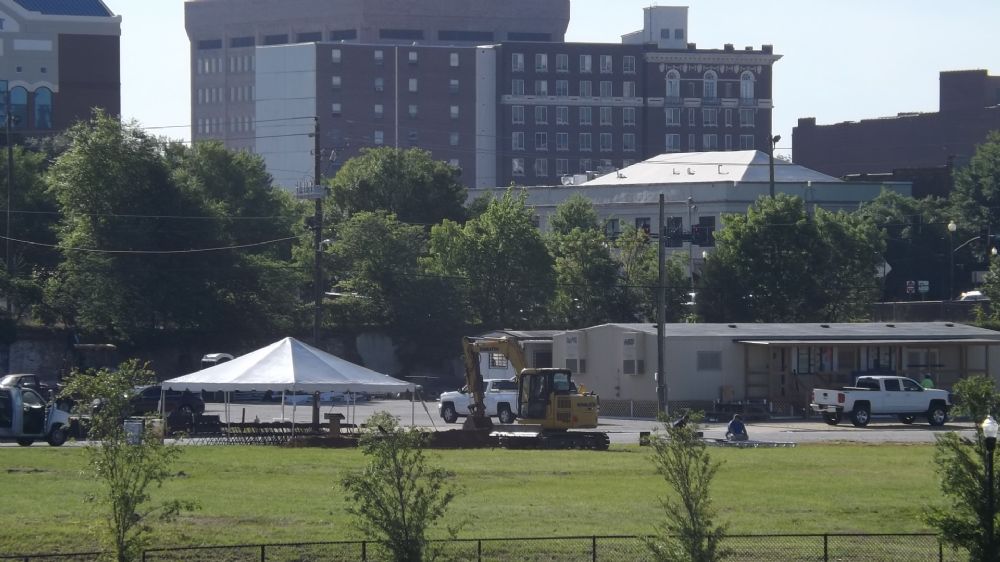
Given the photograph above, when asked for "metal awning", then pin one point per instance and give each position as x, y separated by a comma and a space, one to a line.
967, 341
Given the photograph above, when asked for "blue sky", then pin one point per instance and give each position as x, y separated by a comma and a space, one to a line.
843, 60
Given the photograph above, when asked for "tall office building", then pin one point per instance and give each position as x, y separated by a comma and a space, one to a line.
59, 61
499, 95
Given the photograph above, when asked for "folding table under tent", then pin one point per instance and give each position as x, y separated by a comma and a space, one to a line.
288, 366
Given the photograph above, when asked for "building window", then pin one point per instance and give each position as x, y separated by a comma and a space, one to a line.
673, 143
643, 224
692, 142
412, 138
586, 89
517, 62
691, 117
541, 87
606, 142
628, 64
562, 166
628, 142
412, 109
379, 56
335, 109
674, 230
585, 116
454, 112
628, 89
453, 86
379, 138
585, 142
729, 142
562, 63
413, 84
43, 108
746, 118
541, 115
586, 166
673, 85
453, 60
562, 88
710, 86
606, 64
517, 114
453, 139
517, 87
454, 163
412, 57
517, 140
679, 33
541, 167
710, 117
746, 142
627, 162
562, 141
709, 361
541, 141
586, 64
379, 84
562, 115
606, 117
746, 86
673, 116
607, 90
517, 166
710, 142
335, 55
335, 81
541, 62
378, 111
704, 234
628, 116
729, 117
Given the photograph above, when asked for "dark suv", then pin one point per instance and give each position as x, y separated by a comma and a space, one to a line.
147, 401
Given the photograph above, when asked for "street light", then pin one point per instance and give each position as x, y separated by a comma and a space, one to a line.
774, 141
952, 227
990, 429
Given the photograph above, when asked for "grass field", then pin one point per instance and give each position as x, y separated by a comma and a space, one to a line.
266, 494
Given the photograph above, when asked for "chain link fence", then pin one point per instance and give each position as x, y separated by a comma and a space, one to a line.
919, 547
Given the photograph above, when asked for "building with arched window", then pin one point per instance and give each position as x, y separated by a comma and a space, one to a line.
60, 60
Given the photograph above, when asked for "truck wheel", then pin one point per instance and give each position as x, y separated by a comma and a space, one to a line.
57, 437
937, 416
504, 413
448, 413
861, 416
906, 418
25, 442
832, 418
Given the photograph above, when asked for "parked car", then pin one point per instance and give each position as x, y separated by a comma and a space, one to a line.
147, 401
26, 417
902, 397
499, 397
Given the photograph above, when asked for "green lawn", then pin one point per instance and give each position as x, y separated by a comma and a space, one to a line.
265, 494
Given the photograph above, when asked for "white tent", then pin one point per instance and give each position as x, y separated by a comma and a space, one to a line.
288, 365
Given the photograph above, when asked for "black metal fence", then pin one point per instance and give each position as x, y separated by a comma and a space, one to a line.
741, 548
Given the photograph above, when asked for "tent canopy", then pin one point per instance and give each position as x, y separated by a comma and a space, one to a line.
288, 365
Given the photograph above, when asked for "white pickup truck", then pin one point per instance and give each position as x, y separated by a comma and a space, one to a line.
882, 395
500, 396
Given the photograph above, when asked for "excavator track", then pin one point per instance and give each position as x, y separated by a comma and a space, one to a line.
591, 440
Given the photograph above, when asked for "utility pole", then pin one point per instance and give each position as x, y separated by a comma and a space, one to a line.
661, 304
774, 141
316, 192
8, 119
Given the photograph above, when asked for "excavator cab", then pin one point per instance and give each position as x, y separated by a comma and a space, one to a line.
549, 398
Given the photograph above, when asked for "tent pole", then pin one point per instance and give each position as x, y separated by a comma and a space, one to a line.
413, 407
282, 405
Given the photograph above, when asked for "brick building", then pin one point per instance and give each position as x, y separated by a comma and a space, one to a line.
60, 60
498, 95
932, 142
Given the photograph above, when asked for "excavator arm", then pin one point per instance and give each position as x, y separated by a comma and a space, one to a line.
471, 348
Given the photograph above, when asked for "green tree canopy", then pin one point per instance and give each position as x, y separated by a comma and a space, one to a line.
507, 269
778, 264
976, 196
407, 183
575, 212
586, 278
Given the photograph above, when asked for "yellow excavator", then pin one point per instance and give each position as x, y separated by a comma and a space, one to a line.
550, 407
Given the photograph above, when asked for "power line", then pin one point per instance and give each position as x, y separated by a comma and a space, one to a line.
154, 252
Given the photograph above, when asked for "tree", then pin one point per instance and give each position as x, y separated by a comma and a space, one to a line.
959, 460
575, 212
503, 260
586, 275
976, 196
125, 470
407, 183
779, 264
688, 532
638, 274
398, 497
